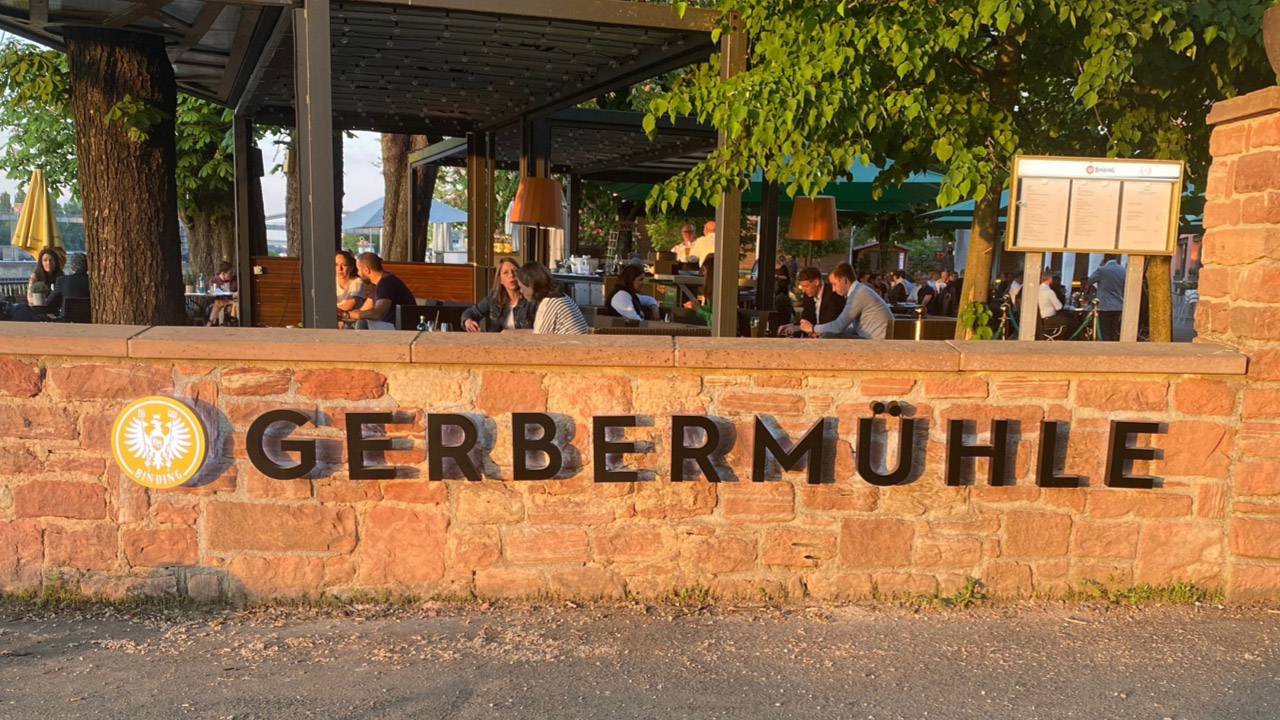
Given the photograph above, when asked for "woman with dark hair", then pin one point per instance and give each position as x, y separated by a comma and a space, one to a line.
556, 313
350, 288
504, 308
48, 270
626, 300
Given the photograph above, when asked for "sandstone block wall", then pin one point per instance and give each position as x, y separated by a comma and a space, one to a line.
66, 512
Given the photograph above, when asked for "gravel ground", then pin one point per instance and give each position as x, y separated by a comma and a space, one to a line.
564, 661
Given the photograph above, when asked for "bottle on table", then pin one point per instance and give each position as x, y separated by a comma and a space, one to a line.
200, 284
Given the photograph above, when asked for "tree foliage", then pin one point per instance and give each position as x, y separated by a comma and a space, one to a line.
962, 86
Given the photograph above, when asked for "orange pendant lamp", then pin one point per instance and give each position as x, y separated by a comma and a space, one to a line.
539, 201
813, 219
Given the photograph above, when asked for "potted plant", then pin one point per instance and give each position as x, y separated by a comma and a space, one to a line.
38, 292
189, 279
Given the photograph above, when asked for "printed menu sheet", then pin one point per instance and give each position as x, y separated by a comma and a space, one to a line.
1042, 213
1095, 208
1144, 216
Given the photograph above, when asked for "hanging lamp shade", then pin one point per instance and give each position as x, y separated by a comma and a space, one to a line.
814, 219
539, 201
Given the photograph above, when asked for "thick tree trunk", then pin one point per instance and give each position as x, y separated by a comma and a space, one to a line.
292, 204
129, 191
425, 180
395, 207
983, 235
1160, 299
210, 240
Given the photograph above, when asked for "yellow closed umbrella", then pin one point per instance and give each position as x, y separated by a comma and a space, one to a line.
37, 228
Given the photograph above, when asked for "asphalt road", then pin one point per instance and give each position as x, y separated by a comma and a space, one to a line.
459, 661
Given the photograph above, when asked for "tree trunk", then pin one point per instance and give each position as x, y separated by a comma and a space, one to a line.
425, 181
292, 203
395, 207
1159, 299
210, 240
984, 231
129, 190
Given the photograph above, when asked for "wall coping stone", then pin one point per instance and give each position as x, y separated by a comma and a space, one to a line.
816, 355
616, 351
1244, 107
1100, 357
67, 339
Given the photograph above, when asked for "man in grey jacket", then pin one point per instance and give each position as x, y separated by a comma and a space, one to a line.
866, 315
1109, 281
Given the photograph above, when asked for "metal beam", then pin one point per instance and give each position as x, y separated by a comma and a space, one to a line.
314, 102
575, 207
256, 58
204, 20
724, 304
628, 121
436, 152
601, 12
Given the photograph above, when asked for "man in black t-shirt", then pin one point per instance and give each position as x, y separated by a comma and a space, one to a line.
379, 309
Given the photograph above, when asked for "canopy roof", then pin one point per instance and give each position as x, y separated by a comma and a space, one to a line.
369, 215
440, 67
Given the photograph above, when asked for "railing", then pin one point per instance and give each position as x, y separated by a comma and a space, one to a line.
13, 289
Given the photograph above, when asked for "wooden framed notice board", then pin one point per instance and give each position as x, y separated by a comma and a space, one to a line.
1094, 205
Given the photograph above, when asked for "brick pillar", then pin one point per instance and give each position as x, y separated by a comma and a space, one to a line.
1240, 307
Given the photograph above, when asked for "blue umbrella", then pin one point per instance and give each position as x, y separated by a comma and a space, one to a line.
369, 216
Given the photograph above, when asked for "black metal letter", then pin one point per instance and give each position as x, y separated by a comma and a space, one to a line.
812, 445
306, 449
702, 455
358, 445
906, 453
996, 452
437, 451
522, 445
601, 448
1047, 473
1119, 454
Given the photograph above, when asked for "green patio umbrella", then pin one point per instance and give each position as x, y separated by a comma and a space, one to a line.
853, 195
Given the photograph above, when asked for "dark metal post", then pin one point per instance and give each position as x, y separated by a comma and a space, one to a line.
314, 103
480, 208
535, 161
724, 304
248, 168
767, 249
575, 207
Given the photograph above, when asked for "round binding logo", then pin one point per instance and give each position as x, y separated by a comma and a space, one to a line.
158, 442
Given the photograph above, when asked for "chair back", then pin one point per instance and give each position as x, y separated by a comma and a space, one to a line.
76, 310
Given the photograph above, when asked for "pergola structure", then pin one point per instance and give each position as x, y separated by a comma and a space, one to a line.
474, 69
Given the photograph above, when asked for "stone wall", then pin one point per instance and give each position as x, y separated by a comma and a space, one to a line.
66, 512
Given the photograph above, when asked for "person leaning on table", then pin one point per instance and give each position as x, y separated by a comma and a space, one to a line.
504, 308
557, 314
348, 287
626, 299
865, 315
379, 309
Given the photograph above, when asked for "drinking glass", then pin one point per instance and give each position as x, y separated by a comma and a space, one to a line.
429, 325
444, 327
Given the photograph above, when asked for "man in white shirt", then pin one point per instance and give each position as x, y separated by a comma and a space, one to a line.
705, 245
685, 247
1051, 324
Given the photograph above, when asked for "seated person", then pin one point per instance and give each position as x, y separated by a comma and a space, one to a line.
901, 291
926, 296
821, 303
782, 308
703, 306
626, 298
379, 311
48, 270
74, 284
348, 286
865, 315
504, 308
224, 283
557, 314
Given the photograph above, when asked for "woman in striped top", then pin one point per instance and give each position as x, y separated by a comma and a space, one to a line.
557, 314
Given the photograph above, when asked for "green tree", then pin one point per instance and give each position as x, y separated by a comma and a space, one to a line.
963, 86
